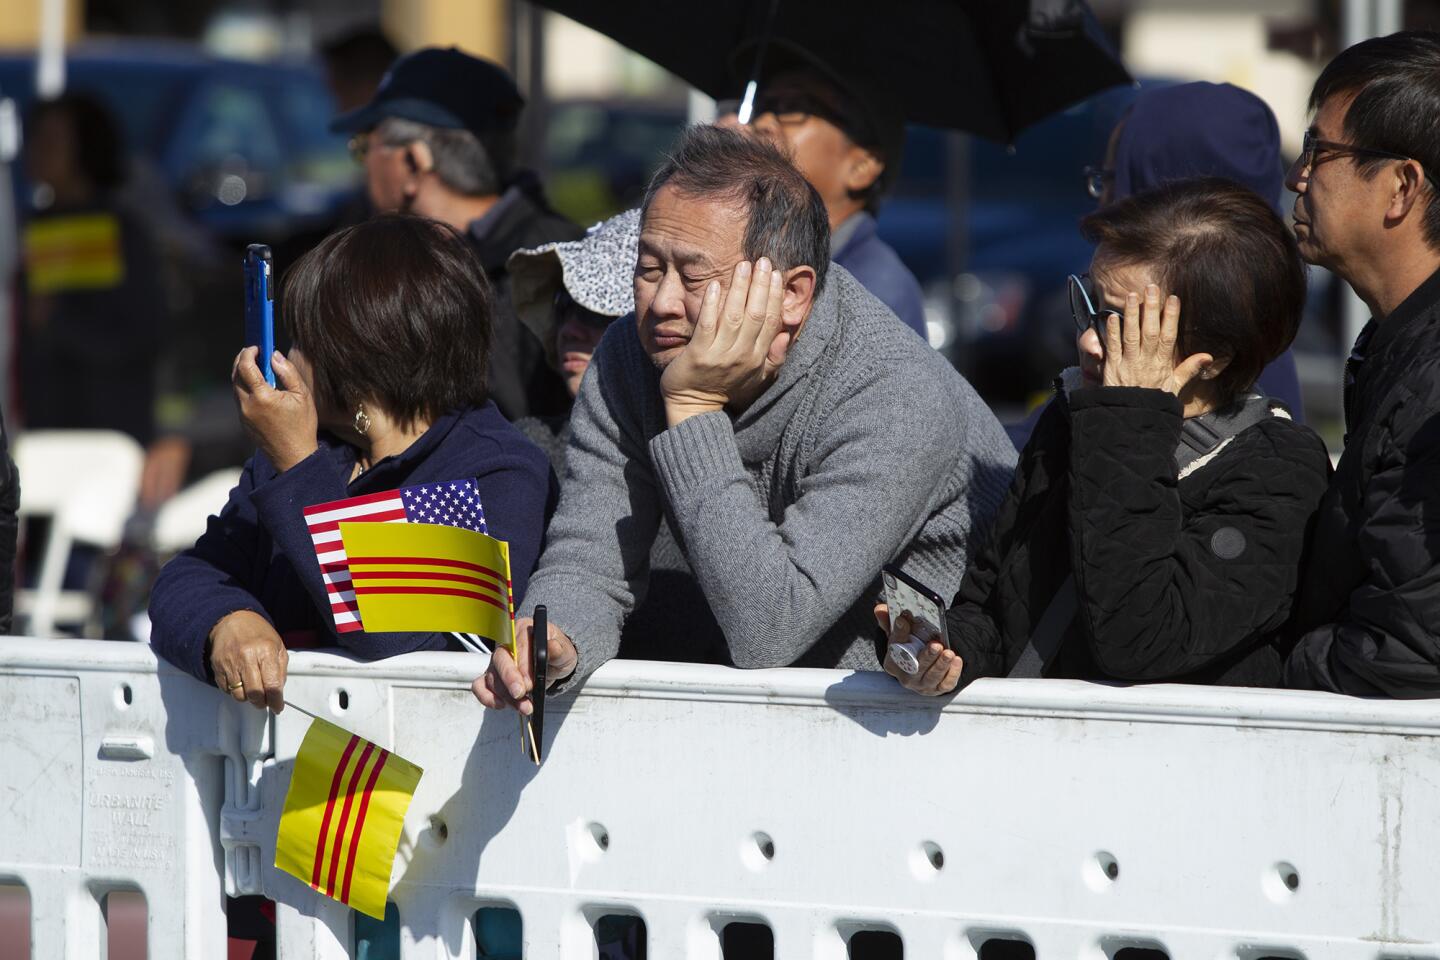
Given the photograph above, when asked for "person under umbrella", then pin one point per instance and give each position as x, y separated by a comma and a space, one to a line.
1198, 130
847, 145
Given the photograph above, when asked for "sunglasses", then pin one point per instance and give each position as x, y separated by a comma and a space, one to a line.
1082, 306
1314, 151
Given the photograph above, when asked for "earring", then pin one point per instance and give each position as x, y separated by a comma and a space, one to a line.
362, 421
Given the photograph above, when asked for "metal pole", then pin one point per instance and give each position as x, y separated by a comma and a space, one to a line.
50, 58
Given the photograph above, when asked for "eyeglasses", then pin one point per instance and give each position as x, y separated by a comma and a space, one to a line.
1095, 180
793, 109
1313, 152
1082, 306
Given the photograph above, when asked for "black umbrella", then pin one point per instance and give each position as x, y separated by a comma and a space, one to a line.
992, 67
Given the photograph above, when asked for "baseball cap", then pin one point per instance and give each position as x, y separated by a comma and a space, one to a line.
441, 88
858, 106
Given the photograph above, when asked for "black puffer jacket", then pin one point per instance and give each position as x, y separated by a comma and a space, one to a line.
1368, 618
1181, 580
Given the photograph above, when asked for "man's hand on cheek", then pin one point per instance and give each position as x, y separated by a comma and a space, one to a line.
737, 346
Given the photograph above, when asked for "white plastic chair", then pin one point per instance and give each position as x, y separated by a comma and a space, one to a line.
86, 482
182, 518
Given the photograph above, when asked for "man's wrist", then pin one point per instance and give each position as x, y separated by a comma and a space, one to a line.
678, 411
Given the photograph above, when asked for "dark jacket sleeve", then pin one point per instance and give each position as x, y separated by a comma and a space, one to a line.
974, 620
206, 583
1165, 592
1385, 641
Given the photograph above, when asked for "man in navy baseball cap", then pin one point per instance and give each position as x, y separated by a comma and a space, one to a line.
438, 140
441, 88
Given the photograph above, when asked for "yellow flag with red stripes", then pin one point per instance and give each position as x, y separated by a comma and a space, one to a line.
427, 577
73, 252
342, 816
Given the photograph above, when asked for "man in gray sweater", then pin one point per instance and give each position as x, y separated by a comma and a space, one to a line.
796, 435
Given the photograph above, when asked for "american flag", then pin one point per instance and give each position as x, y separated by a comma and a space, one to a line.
453, 503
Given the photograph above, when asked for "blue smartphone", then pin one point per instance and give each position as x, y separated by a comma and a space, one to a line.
260, 306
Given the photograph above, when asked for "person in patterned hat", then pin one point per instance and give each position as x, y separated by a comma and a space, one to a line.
567, 294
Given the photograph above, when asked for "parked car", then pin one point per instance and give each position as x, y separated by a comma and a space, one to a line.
243, 147
599, 154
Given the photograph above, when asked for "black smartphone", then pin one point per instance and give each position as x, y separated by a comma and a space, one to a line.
260, 306
539, 661
905, 594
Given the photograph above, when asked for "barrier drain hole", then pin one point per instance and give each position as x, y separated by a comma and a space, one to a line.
1101, 871
934, 854
341, 702
600, 835
1281, 882
124, 696
765, 845
442, 830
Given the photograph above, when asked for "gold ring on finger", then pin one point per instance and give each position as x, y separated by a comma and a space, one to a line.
236, 685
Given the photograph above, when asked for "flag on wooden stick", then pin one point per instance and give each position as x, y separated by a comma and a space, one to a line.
342, 816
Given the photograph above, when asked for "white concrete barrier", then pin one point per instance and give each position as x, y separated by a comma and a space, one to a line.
1083, 819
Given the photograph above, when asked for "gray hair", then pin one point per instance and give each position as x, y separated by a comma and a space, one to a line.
462, 162
787, 221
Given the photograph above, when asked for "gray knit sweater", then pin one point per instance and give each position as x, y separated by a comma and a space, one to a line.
868, 448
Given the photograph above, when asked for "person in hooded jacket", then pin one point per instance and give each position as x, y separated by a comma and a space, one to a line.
1158, 516
1203, 130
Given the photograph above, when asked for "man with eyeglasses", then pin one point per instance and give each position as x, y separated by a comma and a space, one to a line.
1368, 616
438, 140
847, 145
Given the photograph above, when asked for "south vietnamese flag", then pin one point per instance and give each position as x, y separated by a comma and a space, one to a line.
342, 816
428, 577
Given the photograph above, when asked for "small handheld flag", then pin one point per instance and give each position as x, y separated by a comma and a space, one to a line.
454, 503
424, 577
342, 816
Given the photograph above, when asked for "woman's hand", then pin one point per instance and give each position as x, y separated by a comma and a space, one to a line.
1142, 354
940, 667
249, 659
508, 684
281, 419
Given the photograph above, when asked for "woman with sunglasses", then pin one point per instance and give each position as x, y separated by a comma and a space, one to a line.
1154, 528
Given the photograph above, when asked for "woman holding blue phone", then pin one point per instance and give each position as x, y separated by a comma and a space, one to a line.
385, 388
1154, 527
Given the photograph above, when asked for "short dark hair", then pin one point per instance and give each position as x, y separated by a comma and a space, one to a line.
1395, 83
99, 143
1227, 255
787, 221
396, 310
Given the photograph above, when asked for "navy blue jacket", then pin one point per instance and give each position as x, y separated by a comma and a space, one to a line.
257, 554
880, 270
